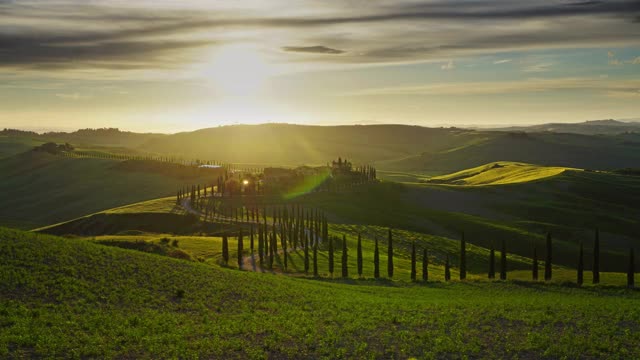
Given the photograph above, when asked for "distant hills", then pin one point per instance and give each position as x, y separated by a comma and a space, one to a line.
601, 145
102, 137
594, 127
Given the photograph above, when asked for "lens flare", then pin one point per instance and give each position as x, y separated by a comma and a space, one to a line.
310, 183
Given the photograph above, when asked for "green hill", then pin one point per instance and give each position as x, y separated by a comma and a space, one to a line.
73, 298
499, 173
38, 189
598, 152
399, 148
569, 205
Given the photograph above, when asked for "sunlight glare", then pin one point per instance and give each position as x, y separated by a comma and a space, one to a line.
238, 70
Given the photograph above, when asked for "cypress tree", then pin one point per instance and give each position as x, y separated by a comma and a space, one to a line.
330, 256
631, 270
285, 254
425, 265
503, 261
390, 256
274, 239
345, 265
447, 271
260, 245
463, 258
271, 253
413, 261
359, 255
376, 261
315, 259
251, 238
548, 260
596, 258
580, 265
265, 241
225, 249
240, 250
535, 264
306, 254
492, 262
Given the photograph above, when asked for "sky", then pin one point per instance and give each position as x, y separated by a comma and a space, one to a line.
169, 66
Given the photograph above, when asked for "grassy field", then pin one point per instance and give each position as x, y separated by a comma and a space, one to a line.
499, 173
73, 298
39, 189
570, 205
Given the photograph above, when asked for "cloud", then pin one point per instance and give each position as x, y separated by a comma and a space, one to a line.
51, 51
68, 34
448, 66
72, 96
313, 49
530, 85
503, 61
535, 68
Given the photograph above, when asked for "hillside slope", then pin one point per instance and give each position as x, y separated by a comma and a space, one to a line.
38, 189
593, 127
72, 298
302, 144
499, 173
547, 149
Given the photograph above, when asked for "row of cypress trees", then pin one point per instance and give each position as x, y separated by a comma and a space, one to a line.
306, 244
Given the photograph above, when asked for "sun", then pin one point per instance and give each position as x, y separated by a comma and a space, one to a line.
238, 70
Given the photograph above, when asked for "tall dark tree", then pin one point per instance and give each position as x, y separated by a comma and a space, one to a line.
463, 258
240, 250
345, 265
376, 260
260, 245
306, 254
271, 250
360, 262
285, 253
330, 255
251, 239
631, 270
534, 270
503, 261
425, 265
548, 260
596, 258
413, 261
447, 270
315, 258
580, 278
390, 255
492, 262
225, 249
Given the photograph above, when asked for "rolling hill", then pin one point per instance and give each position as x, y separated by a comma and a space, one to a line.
399, 147
499, 173
570, 204
38, 189
69, 297
547, 149
388, 147
593, 127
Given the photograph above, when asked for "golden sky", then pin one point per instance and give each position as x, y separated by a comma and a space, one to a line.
179, 65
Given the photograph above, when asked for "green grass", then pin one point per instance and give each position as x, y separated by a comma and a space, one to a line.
208, 249
12, 145
76, 299
499, 173
40, 189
